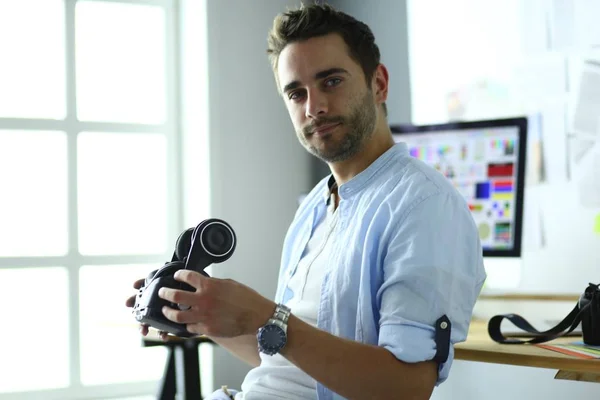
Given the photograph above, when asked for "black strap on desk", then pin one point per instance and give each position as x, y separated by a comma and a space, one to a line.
570, 322
443, 328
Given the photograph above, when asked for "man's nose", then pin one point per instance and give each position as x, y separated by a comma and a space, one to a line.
316, 105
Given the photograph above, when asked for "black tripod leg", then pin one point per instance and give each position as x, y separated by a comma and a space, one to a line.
166, 390
188, 371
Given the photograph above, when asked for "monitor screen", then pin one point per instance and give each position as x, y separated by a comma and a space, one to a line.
485, 161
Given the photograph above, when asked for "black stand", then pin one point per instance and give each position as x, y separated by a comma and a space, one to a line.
182, 369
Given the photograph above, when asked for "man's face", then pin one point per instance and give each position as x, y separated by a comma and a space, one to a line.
332, 108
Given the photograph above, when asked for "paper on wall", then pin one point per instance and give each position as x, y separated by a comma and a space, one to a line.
562, 24
534, 168
573, 24
586, 174
485, 98
554, 143
533, 229
539, 85
586, 113
533, 25
586, 26
537, 80
577, 148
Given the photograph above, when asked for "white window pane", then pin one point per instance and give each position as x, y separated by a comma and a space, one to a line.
122, 184
120, 52
105, 320
35, 345
33, 204
32, 71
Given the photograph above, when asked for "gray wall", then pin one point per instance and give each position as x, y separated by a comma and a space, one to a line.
258, 168
387, 20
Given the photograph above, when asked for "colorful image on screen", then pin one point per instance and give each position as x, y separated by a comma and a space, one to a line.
482, 165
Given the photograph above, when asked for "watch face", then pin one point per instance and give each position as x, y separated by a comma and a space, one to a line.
271, 339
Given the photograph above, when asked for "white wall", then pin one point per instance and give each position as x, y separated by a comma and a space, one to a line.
258, 168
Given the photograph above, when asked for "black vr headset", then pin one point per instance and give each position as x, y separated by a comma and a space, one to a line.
212, 241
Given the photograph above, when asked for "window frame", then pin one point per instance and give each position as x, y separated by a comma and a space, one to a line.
73, 261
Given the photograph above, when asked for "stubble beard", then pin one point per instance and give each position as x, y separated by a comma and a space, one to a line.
360, 124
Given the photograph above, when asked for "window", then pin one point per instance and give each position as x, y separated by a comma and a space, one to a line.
89, 161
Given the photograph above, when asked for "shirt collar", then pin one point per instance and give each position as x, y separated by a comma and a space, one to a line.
361, 180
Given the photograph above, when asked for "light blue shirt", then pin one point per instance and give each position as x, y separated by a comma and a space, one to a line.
405, 252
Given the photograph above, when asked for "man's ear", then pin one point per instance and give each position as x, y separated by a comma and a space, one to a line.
380, 84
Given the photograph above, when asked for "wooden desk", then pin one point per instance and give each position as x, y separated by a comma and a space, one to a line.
480, 347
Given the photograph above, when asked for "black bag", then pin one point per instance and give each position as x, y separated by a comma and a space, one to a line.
586, 312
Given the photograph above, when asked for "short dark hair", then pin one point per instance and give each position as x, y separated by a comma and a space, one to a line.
319, 20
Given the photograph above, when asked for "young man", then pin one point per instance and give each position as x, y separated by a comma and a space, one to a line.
378, 253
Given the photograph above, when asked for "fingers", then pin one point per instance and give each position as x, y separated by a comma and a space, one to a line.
190, 277
145, 329
130, 301
182, 297
181, 317
178, 296
194, 328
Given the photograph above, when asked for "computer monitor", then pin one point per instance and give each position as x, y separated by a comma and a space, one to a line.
485, 160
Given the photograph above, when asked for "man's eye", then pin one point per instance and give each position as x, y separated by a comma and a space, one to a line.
294, 95
332, 82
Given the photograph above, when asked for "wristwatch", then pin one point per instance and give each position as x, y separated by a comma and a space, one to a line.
272, 337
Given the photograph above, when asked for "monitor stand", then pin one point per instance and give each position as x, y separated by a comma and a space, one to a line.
503, 274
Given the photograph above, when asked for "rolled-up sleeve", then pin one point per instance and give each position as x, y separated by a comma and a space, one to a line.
432, 266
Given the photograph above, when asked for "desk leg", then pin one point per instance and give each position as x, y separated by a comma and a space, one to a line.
578, 376
166, 390
187, 369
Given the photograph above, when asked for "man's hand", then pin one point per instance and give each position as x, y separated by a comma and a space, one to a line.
218, 307
130, 302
